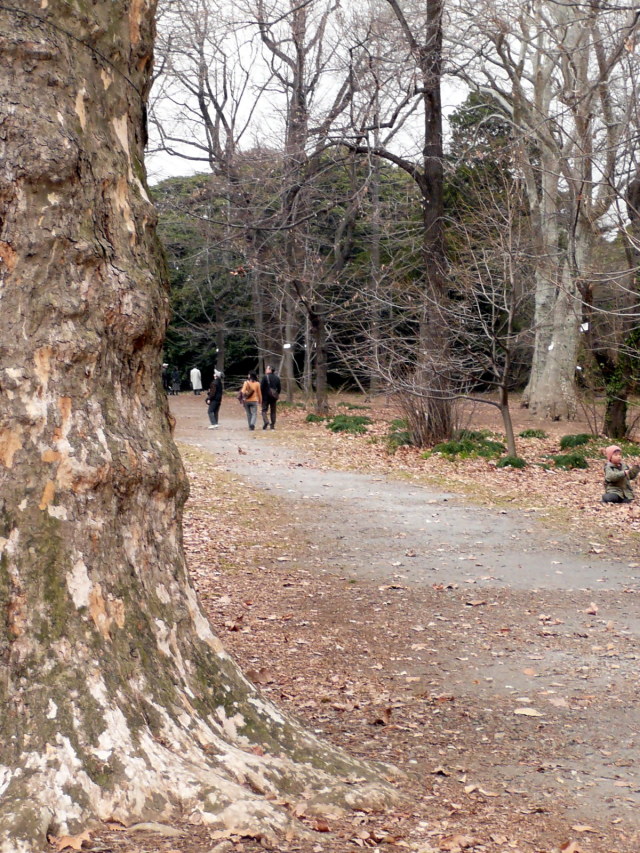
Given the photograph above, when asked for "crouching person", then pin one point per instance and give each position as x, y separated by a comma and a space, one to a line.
617, 477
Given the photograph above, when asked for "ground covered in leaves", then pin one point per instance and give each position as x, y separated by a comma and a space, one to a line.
512, 713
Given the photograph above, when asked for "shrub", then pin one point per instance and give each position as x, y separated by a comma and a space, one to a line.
533, 433
314, 419
354, 424
467, 447
575, 440
570, 460
398, 435
472, 434
454, 448
511, 462
489, 449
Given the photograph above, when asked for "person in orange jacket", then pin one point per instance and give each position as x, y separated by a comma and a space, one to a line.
251, 396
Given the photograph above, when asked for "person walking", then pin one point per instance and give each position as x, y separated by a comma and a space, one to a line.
251, 396
175, 381
214, 399
617, 477
196, 381
270, 389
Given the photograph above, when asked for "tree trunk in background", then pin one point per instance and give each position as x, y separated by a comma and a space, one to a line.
319, 336
376, 273
307, 369
118, 702
257, 305
615, 417
551, 390
432, 418
287, 375
221, 354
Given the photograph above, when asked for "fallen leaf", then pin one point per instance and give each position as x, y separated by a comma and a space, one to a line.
260, 676
581, 828
454, 843
557, 701
383, 718
71, 842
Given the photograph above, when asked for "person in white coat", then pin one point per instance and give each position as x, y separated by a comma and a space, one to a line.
196, 381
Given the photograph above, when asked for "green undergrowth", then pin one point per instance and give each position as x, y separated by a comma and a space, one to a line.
511, 462
398, 435
353, 424
533, 433
579, 440
567, 461
468, 444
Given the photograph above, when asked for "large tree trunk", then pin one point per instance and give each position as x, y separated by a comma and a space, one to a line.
551, 392
117, 699
433, 367
615, 417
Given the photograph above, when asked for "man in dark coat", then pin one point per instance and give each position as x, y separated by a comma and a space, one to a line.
270, 389
214, 398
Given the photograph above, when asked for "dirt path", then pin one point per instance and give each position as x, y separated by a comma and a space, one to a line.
528, 643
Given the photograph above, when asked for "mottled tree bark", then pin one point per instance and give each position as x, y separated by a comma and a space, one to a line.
117, 701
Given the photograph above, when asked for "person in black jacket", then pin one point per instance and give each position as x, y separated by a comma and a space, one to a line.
214, 398
270, 389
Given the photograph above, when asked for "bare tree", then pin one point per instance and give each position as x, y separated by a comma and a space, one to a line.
298, 75
558, 70
303, 48
489, 314
419, 37
210, 84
